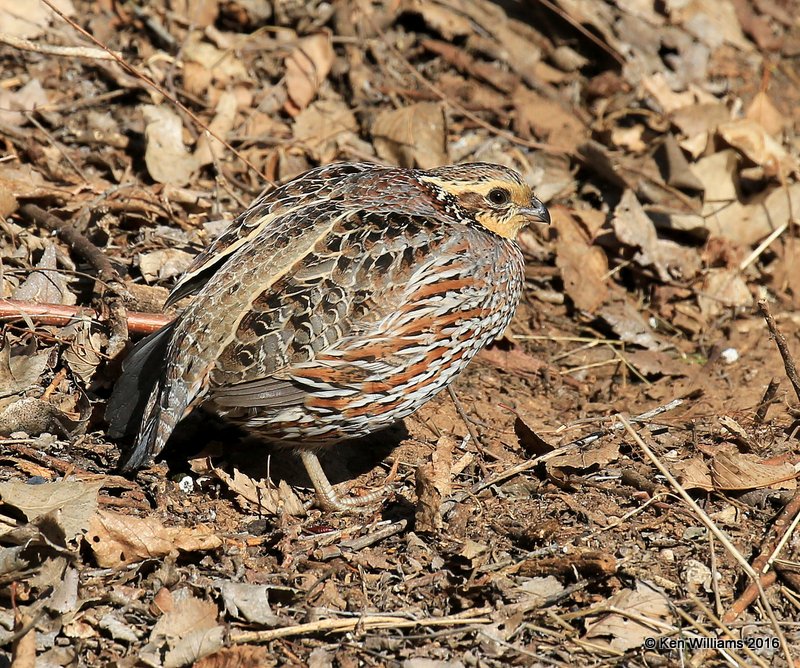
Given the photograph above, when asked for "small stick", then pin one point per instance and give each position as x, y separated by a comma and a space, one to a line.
470, 427
700, 605
52, 50
766, 401
364, 622
769, 550
60, 315
356, 544
783, 347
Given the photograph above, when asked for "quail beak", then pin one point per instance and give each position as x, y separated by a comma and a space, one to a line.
536, 212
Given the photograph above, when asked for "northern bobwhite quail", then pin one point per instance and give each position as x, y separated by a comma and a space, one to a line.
334, 306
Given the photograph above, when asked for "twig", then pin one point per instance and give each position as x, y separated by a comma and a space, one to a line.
783, 347
52, 50
644, 417
356, 544
117, 320
364, 622
326, 552
714, 574
60, 315
769, 551
468, 423
766, 401
718, 534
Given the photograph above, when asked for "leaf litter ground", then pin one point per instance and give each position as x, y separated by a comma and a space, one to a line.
524, 522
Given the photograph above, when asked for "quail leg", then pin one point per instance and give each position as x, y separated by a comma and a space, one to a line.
327, 497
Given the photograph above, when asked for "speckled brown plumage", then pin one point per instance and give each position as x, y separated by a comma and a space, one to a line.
335, 305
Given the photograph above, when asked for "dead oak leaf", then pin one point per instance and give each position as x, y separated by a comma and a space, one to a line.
190, 630
413, 136
166, 156
731, 470
264, 495
307, 66
582, 459
117, 539
45, 285
73, 503
625, 632
584, 267
21, 372
739, 471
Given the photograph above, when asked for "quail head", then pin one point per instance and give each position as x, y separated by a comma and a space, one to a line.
334, 306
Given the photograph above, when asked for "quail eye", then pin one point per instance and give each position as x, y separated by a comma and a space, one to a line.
498, 196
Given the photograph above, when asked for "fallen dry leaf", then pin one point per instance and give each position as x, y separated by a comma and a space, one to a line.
599, 454
434, 486
190, 630
323, 126
645, 602
262, 493
208, 147
307, 66
73, 503
547, 120
731, 470
48, 285
755, 142
583, 266
167, 158
633, 227
655, 363
83, 355
515, 360
723, 289
530, 441
629, 324
164, 263
238, 656
22, 371
413, 136
25, 99
29, 18
118, 540
249, 602
763, 112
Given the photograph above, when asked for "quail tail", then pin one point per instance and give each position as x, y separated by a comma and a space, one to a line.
132, 394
